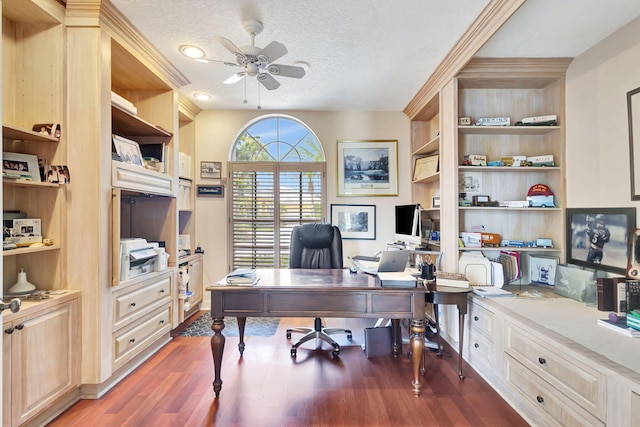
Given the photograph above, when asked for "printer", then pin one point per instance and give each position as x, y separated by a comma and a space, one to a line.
137, 257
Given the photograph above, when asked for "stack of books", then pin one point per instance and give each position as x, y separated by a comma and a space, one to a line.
452, 280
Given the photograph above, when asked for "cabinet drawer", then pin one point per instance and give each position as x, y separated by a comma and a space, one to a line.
139, 334
135, 178
545, 404
140, 298
481, 320
580, 382
481, 353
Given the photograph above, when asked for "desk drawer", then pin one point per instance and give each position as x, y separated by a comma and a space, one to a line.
481, 320
545, 403
580, 382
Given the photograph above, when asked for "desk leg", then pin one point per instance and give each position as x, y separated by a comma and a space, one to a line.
217, 348
397, 339
242, 321
436, 315
461, 314
417, 350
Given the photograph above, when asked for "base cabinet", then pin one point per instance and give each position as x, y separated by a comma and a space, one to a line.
41, 368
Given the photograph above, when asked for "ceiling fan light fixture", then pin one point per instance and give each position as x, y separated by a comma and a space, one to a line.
193, 52
201, 96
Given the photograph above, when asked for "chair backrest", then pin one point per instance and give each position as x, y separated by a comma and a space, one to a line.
317, 245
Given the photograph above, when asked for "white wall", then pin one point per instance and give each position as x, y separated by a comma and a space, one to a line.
216, 131
597, 127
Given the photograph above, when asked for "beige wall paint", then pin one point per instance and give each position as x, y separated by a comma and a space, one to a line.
215, 132
597, 126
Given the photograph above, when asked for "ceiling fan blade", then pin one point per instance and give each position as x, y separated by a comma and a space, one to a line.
268, 81
271, 52
235, 78
286, 70
230, 46
205, 60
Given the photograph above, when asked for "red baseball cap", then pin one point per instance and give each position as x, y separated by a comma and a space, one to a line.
540, 190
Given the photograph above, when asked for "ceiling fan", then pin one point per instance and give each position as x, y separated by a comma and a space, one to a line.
257, 62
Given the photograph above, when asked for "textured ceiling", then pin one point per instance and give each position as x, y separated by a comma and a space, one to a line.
365, 55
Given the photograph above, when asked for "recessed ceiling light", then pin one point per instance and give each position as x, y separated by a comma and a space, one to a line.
192, 51
201, 96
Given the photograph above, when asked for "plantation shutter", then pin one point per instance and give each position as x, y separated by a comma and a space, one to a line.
267, 200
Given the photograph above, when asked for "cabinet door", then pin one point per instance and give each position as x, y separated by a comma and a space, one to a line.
195, 280
7, 379
44, 360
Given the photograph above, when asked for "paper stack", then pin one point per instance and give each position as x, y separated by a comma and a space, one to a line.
242, 277
451, 280
400, 279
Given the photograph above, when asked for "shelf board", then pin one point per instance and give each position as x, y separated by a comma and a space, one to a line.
29, 250
25, 183
507, 130
16, 133
431, 178
510, 168
510, 248
430, 147
126, 124
503, 208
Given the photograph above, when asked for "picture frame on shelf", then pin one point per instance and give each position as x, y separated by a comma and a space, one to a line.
20, 166
128, 150
542, 269
210, 170
425, 167
211, 190
367, 168
356, 222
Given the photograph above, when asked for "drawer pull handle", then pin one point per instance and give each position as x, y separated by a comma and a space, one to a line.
9, 330
476, 318
132, 340
540, 399
542, 360
162, 322
476, 345
162, 291
133, 304
20, 326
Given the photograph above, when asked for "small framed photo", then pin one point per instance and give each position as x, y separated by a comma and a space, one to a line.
542, 269
367, 168
211, 190
59, 175
210, 170
20, 166
128, 150
356, 222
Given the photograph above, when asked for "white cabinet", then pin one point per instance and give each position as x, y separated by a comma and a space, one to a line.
41, 355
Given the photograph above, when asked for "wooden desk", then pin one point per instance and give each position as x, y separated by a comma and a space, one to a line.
316, 293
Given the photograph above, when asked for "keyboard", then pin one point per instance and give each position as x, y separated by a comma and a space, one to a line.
367, 258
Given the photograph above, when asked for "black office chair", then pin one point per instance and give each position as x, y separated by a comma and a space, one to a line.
316, 245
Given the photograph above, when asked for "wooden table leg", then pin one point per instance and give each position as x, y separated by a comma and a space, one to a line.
436, 316
242, 321
397, 339
217, 348
417, 350
461, 313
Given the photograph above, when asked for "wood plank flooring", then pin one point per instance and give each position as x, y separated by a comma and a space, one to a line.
266, 387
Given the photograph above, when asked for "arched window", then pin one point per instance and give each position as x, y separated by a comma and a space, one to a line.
277, 172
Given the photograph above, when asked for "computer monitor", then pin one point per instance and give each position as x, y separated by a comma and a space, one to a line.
408, 224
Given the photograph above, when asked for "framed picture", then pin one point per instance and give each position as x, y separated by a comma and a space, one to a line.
128, 150
542, 269
425, 167
599, 238
211, 190
355, 221
20, 166
210, 170
367, 168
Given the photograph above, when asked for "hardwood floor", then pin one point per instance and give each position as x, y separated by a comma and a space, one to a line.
266, 387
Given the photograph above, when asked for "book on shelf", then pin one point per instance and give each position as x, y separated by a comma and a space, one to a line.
620, 326
452, 280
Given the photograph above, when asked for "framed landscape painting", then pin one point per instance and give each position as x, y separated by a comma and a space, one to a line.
367, 168
355, 221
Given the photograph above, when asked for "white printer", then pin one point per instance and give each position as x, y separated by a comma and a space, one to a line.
137, 257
